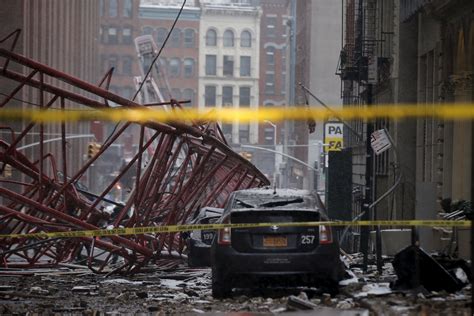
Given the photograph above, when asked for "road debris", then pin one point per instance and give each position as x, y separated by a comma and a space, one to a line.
414, 267
188, 291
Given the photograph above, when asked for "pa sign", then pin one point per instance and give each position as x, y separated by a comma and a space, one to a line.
333, 136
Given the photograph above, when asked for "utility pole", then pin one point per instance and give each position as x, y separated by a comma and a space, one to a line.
369, 160
472, 215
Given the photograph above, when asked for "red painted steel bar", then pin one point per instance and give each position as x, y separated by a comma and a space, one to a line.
191, 166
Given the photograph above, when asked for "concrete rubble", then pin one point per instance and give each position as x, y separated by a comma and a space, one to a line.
182, 290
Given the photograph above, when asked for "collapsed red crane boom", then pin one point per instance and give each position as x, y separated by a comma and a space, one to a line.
191, 166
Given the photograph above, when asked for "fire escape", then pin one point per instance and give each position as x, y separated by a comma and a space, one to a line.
358, 69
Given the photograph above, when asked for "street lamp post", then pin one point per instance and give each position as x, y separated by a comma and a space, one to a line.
275, 167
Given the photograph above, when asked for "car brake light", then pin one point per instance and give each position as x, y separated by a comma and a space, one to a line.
223, 236
325, 236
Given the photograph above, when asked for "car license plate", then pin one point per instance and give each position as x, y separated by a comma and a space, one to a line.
275, 241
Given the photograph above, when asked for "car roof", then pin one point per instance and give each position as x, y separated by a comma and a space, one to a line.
209, 211
212, 209
269, 198
285, 193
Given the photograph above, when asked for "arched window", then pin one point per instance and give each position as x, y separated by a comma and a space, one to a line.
176, 93
147, 30
188, 94
211, 38
228, 38
160, 36
174, 66
189, 38
175, 37
246, 39
188, 67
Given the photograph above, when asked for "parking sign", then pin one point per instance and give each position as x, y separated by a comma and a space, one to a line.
333, 136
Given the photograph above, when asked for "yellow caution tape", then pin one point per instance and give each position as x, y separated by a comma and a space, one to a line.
455, 111
183, 228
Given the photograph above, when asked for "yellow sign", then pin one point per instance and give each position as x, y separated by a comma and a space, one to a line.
333, 144
333, 136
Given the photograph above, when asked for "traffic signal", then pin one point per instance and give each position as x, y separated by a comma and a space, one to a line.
92, 149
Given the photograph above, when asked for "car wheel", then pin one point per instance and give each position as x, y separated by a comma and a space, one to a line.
221, 285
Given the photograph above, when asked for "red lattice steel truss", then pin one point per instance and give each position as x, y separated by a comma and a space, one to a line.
188, 166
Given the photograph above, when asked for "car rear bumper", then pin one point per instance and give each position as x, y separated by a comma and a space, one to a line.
322, 263
200, 252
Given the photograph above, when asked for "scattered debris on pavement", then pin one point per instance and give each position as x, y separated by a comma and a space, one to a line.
181, 290
414, 267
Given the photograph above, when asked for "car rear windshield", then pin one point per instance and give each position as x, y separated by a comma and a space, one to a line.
271, 201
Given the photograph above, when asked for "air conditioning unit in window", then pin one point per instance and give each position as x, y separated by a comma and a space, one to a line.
228, 104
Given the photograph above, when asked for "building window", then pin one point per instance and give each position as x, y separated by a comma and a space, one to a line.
188, 67
210, 96
104, 63
211, 65
211, 38
283, 83
112, 35
227, 96
127, 65
244, 131
246, 39
161, 35
271, 26
228, 66
176, 94
127, 92
114, 90
245, 66
101, 8
175, 37
270, 83
103, 34
147, 30
165, 93
227, 131
127, 35
174, 66
113, 8
127, 8
188, 94
270, 54
283, 57
228, 38
189, 38
269, 134
113, 62
244, 96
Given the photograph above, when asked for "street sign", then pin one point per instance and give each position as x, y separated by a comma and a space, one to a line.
379, 141
333, 136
